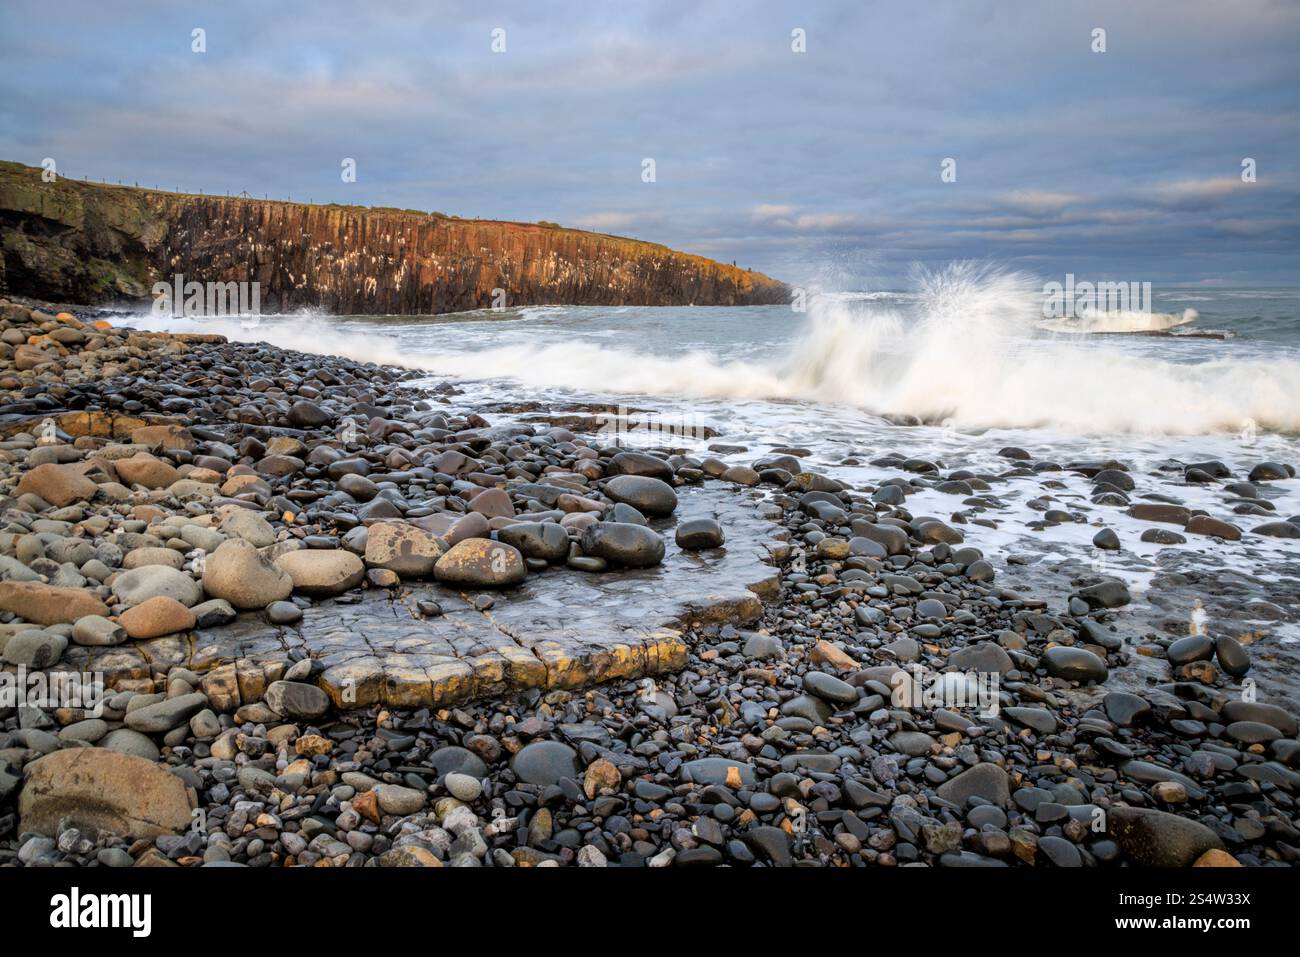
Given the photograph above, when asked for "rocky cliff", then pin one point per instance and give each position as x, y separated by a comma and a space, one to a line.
70, 241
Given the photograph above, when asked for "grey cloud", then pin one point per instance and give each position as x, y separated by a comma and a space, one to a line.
823, 164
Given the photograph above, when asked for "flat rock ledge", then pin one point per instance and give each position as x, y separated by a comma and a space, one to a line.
563, 629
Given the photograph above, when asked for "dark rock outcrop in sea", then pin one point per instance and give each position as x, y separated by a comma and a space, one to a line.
71, 241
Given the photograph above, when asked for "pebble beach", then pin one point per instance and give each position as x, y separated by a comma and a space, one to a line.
329, 615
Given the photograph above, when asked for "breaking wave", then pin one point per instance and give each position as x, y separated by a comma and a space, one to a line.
967, 350
1122, 322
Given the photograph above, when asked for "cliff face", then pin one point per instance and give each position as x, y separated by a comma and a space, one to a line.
80, 242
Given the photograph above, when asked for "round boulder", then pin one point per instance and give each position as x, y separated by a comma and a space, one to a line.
322, 572
155, 617
237, 522
241, 575
624, 544
295, 699
140, 557
103, 789
49, 604
1233, 658
544, 540
639, 463
404, 549
146, 470
481, 563
151, 581
60, 485
97, 631
1191, 648
1074, 664
1153, 838
699, 533
649, 496
308, 415
35, 649
545, 763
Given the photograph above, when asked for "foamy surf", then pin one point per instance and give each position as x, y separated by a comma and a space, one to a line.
1123, 321
968, 352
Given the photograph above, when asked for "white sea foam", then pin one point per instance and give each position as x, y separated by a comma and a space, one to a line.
968, 352
1121, 321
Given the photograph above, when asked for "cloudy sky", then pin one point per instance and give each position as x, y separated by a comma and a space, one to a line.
817, 167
